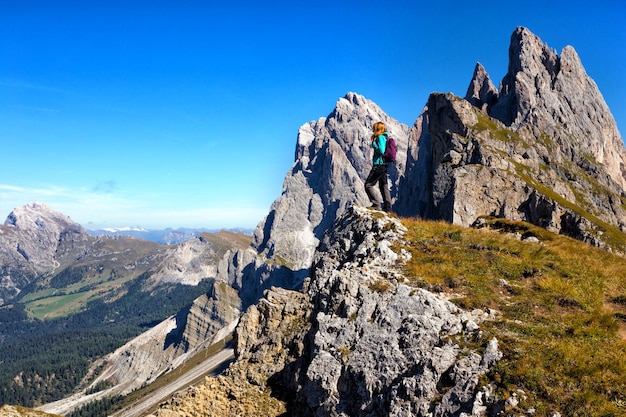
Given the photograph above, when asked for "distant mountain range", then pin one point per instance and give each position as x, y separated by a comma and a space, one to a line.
166, 236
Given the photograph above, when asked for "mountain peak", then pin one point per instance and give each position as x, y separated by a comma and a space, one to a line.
547, 95
37, 216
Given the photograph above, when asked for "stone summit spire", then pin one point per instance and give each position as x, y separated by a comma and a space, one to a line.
552, 95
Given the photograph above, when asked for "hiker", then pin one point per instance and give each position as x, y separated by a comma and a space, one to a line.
378, 173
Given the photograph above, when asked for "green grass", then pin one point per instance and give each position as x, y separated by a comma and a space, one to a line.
58, 306
561, 304
48, 303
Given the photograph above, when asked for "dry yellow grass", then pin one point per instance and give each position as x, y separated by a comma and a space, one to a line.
562, 305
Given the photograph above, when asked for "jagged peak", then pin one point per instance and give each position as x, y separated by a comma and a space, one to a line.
481, 91
552, 96
355, 106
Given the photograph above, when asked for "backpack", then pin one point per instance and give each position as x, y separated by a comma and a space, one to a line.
390, 150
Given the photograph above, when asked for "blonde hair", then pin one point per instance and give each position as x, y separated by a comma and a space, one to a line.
378, 129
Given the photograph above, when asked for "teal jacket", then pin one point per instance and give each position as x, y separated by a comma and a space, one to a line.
379, 146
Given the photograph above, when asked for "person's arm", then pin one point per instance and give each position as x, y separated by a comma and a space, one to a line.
380, 144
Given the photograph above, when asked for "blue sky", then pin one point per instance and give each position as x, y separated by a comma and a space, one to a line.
185, 114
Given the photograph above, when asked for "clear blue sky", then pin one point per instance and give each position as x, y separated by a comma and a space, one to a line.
185, 113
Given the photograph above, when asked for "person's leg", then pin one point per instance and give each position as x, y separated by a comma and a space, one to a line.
370, 184
383, 185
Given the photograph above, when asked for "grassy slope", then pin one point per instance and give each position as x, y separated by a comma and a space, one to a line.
562, 308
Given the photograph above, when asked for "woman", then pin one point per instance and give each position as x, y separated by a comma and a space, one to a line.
378, 174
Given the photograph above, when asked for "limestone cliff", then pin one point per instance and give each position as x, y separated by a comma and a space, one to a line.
332, 160
476, 166
552, 95
544, 149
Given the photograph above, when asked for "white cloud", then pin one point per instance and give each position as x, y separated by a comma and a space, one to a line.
96, 208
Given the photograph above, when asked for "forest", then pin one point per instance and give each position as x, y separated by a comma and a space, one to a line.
45, 360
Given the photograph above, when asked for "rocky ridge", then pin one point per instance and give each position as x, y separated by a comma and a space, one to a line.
332, 159
358, 340
38, 242
543, 149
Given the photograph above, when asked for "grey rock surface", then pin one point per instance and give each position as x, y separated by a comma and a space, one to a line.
375, 345
552, 95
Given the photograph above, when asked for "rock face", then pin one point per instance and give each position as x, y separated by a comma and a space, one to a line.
544, 149
553, 94
359, 341
477, 166
332, 160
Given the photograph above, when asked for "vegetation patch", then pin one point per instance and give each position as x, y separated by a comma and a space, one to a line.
380, 286
558, 328
497, 131
43, 361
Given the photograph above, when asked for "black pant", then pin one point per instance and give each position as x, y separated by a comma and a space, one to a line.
378, 175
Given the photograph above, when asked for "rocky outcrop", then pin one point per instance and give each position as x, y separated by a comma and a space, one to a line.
359, 340
544, 149
332, 160
476, 166
188, 263
210, 318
